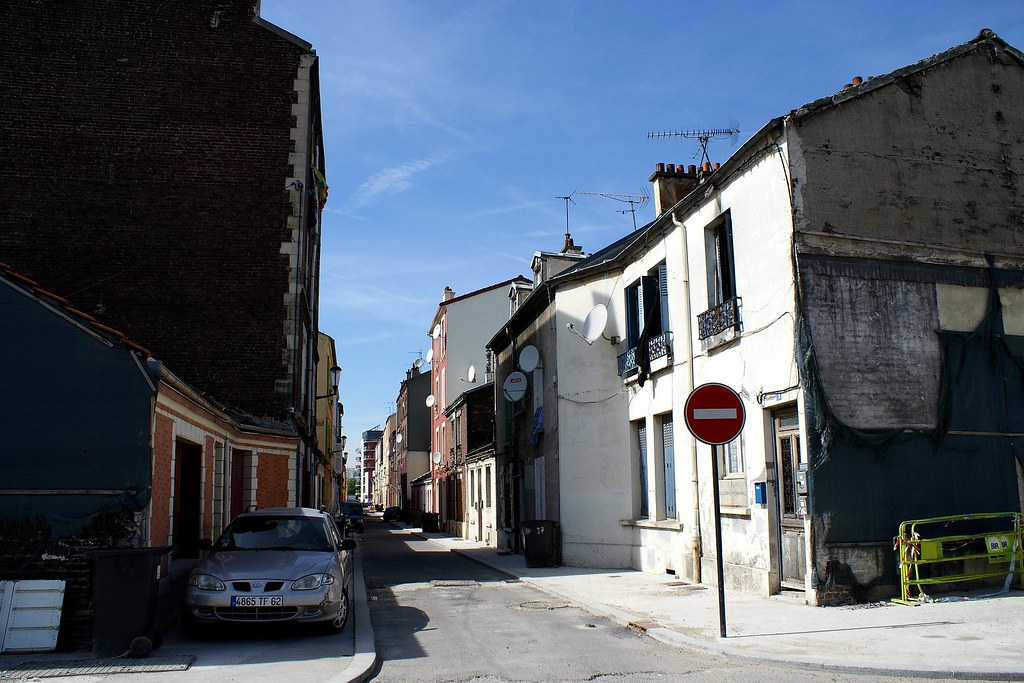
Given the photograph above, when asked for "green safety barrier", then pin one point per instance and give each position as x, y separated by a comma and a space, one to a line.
926, 544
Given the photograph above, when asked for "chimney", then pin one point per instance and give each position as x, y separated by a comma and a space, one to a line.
671, 183
448, 295
569, 247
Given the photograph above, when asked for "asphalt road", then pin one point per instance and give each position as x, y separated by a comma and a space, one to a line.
439, 617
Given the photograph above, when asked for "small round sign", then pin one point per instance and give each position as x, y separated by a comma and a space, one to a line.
715, 414
514, 387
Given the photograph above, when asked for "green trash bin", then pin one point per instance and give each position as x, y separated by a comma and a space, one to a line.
125, 595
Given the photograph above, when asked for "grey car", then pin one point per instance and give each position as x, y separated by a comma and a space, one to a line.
273, 565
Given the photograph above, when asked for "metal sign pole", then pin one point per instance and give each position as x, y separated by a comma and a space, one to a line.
718, 541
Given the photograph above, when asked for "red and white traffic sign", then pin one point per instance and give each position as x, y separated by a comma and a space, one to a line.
714, 414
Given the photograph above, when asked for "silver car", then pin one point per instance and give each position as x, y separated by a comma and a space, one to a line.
273, 565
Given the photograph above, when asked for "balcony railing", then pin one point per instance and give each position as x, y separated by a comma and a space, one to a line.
724, 316
657, 347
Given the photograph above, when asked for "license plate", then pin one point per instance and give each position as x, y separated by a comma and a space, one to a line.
257, 601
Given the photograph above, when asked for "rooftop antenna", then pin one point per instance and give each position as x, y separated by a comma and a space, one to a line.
702, 136
635, 201
567, 200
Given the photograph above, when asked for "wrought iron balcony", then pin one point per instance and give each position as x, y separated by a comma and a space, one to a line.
724, 316
657, 347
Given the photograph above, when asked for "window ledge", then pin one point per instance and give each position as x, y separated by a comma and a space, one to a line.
666, 524
735, 511
657, 365
716, 341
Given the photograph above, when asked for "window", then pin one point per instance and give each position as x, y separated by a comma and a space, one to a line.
641, 438
730, 460
647, 303
721, 268
792, 470
487, 488
668, 463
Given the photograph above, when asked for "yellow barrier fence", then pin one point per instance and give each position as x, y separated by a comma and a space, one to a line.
928, 548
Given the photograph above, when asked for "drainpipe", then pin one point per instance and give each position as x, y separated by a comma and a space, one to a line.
695, 481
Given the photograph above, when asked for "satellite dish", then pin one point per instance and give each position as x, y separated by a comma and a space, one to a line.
437, 331
417, 363
529, 358
436, 458
430, 401
594, 324
471, 374
430, 355
514, 387
398, 438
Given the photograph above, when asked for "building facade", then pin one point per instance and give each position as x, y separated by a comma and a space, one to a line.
190, 190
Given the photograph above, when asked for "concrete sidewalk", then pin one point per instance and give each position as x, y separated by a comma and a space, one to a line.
976, 638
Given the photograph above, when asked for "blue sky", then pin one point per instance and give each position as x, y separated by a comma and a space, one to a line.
451, 129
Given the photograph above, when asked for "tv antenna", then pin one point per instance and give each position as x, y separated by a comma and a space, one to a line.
703, 136
635, 201
567, 199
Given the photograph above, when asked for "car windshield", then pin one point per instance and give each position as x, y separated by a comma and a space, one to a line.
275, 533
351, 509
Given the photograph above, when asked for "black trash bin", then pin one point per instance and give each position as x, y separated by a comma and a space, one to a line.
125, 595
538, 542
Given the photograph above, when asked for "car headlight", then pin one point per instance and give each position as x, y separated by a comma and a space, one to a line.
308, 583
206, 582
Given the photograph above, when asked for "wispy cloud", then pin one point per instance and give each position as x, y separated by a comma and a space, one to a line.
388, 181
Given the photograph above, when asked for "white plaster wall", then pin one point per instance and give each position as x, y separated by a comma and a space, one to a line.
761, 361
595, 481
471, 324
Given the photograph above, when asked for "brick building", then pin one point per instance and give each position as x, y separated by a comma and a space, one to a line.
161, 164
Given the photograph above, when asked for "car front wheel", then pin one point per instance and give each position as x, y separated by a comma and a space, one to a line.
337, 625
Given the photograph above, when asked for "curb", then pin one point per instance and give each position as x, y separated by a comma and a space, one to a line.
361, 667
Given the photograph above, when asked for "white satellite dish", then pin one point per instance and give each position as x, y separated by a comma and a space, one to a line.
398, 438
437, 331
418, 363
471, 374
514, 387
593, 325
430, 355
430, 401
436, 458
529, 358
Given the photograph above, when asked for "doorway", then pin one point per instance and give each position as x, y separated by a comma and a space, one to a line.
188, 460
791, 485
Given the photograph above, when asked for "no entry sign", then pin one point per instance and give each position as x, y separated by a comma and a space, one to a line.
714, 414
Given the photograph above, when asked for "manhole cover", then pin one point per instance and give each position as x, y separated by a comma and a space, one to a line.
542, 604
95, 667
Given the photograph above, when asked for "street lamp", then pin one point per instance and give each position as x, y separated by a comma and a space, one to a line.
335, 381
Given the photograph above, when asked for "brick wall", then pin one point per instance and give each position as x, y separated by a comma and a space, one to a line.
163, 481
142, 175
273, 473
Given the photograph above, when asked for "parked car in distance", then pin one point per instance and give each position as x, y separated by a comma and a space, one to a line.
353, 510
392, 514
273, 565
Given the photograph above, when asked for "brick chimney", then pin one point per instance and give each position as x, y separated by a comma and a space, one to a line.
672, 182
570, 247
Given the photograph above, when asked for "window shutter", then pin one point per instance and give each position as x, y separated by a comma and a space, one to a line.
642, 438
670, 467
663, 291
